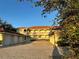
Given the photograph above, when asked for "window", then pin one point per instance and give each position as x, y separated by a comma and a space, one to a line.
40, 36
42, 30
48, 30
32, 36
36, 31
24, 30
47, 36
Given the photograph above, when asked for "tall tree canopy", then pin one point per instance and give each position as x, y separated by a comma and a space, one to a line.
6, 26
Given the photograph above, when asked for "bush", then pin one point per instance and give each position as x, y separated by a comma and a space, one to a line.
62, 43
0, 42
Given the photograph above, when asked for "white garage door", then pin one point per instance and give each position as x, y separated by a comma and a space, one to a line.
16, 39
7, 40
20, 39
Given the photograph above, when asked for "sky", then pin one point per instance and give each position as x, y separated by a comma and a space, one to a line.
24, 14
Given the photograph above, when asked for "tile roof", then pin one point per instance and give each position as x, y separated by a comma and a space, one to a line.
45, 27
1, 29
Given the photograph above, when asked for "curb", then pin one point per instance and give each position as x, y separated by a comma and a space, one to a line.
60, 50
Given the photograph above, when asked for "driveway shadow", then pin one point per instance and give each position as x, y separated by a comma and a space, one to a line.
56, 54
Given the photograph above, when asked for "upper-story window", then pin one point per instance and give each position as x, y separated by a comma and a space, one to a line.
25, 30
43, 30
40, 36
48, 31
32, 31
36, 31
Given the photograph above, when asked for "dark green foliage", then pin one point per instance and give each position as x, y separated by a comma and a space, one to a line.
7, 27
0, 42
63, 43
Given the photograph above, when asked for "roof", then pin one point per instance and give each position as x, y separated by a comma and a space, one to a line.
1, 29
21, 27
45, 27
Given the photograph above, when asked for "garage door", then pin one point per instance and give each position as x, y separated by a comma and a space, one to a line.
7, 40
16, 39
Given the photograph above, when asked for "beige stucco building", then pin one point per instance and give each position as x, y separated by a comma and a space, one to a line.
49, 33
22, 30
39, 32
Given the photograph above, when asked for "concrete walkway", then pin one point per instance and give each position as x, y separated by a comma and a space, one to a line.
34, 50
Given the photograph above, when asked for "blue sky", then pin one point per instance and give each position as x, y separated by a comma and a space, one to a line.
23, 14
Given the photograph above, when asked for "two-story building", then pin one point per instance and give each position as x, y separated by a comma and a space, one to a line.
49, 33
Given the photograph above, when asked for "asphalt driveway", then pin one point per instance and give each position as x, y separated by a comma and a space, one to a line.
33, 50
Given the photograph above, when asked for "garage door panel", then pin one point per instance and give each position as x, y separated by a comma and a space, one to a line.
7, 40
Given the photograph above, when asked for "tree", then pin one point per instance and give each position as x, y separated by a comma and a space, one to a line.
68, 16
7, 27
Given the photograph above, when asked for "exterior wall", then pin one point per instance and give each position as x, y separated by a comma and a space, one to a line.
52, 39
1, 39
55, 37
21, 31
1, 36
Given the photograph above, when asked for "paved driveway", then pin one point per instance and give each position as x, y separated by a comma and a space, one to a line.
33, 50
